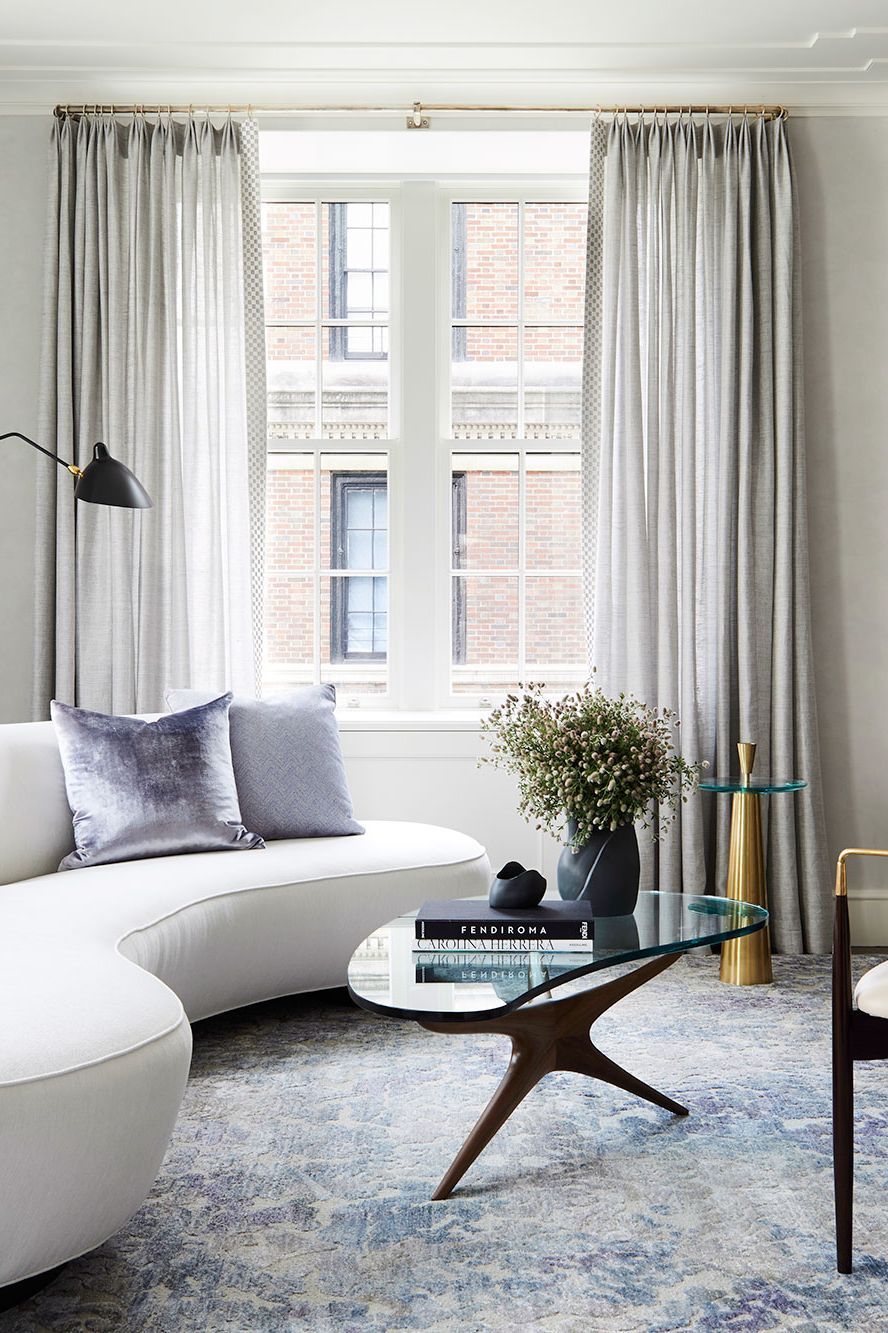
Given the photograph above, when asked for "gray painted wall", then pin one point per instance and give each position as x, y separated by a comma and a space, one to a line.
23, 149
842, 172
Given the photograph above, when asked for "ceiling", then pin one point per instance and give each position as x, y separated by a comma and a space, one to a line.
829, 55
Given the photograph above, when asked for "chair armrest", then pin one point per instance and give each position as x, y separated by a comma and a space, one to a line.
841, 964
841, 877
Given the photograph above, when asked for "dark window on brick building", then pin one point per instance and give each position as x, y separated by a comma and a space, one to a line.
359, 279
359, 540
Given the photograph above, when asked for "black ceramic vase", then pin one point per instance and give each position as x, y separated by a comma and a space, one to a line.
605, 870
515, 887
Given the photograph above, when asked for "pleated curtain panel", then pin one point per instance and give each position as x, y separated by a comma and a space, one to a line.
696, 554
154, 344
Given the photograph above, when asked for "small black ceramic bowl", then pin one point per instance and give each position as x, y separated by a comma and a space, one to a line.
516, 887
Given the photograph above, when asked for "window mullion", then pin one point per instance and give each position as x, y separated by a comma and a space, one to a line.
316, 609
522, 454
522, 562
520, 337
319, 351
417, 638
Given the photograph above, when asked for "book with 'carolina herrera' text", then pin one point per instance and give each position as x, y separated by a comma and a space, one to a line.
489, 946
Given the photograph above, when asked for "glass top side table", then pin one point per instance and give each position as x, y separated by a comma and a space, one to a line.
747, 962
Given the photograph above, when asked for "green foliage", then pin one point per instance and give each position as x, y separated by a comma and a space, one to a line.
586, 758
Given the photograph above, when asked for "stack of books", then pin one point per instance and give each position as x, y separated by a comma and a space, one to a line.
466, 926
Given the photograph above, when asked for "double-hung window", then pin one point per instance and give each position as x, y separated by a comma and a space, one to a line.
517, 270
327, 266
424, 344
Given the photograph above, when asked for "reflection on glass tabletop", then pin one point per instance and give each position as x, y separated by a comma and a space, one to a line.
389, 975
761, 786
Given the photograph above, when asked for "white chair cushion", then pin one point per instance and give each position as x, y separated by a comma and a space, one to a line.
871, 991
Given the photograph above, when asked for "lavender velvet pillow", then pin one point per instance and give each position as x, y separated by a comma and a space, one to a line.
139, 789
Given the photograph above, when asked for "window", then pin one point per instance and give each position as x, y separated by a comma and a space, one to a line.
327, 575
517, 275
326, 280
458, 625
516, 324
359, 278
326, 265
423, 419
359, 536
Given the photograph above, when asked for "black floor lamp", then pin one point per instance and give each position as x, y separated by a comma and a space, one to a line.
104, 481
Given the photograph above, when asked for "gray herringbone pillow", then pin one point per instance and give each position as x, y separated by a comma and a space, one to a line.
287, 762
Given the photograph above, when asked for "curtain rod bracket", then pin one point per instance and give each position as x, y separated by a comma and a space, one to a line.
416, 120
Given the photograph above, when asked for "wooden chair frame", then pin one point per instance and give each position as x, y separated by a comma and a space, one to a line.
855, 1036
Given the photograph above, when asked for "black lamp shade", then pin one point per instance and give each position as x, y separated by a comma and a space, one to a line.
104, 481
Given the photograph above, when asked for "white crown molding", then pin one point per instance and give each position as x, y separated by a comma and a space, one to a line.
827, 72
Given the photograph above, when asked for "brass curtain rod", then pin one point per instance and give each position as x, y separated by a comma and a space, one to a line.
417, 117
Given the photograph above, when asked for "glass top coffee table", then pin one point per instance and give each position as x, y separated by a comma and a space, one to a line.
545, 1002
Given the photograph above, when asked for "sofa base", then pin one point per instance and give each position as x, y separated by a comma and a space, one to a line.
17, 1292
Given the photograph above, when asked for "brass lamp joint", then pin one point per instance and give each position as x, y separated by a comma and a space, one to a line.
74, 469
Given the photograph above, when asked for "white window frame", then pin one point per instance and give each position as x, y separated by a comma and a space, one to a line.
419, 445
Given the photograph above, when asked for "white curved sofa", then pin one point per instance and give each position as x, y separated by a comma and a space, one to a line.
101, 970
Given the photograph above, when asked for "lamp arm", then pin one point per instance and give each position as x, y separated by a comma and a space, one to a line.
72, 467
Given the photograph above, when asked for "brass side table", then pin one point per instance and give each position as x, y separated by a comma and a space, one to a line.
747, 961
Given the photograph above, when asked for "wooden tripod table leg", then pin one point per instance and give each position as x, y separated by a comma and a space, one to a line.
545, 1038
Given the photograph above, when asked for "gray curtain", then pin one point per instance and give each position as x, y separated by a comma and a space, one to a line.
697, 569
153, 345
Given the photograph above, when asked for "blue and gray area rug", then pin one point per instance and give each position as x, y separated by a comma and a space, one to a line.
296, 1191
